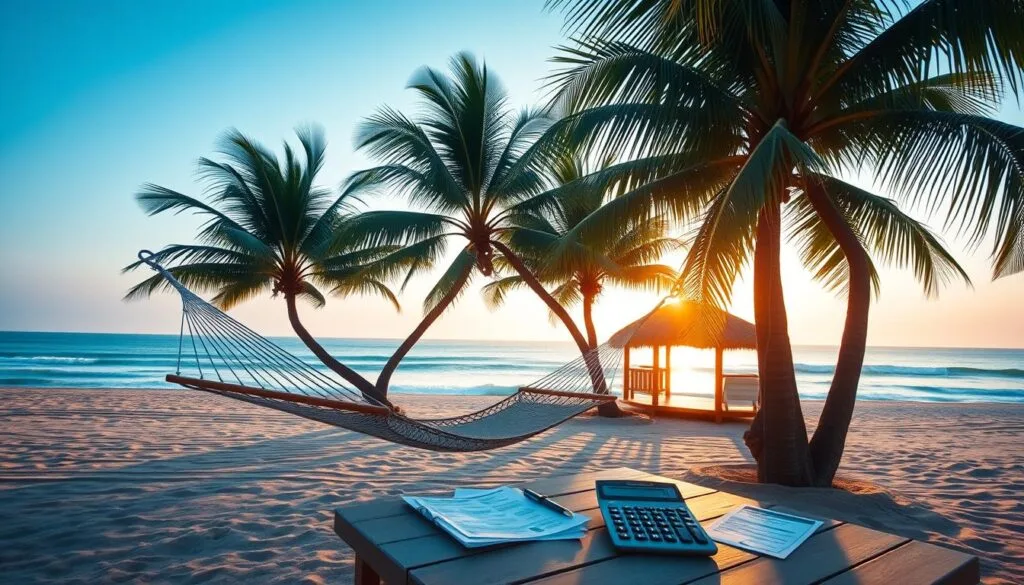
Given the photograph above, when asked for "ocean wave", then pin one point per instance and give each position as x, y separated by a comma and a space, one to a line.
1002, 373
57, 359
892, 370
968, 392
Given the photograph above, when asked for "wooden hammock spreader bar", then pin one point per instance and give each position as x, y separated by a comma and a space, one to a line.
567, 394
200, 384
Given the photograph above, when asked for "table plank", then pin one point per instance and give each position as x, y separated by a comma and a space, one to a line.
914, 563
526, 561
823, 555
658, 569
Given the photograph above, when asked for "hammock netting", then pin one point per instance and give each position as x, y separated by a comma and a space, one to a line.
218, 354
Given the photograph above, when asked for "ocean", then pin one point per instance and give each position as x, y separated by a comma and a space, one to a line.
87, 360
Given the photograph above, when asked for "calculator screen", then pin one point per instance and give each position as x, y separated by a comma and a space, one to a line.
628, 492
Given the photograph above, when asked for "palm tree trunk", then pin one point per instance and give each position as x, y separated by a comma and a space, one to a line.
348, 374
384, 379
588, 320
829, 440
590, 356
779, 435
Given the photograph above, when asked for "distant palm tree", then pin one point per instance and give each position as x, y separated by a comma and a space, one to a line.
626, 258
461, 167
738, 111
269, 228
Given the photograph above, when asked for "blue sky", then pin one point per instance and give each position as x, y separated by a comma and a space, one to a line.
100, 97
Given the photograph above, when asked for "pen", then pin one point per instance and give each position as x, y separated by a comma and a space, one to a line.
547, 503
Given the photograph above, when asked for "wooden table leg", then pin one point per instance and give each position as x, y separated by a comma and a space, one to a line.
365, 575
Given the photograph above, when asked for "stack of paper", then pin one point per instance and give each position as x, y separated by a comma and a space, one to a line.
485, 517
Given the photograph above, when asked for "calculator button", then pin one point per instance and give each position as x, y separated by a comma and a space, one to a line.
641, 536
670, 538
684, 535
624, 536
697, 533
655, 537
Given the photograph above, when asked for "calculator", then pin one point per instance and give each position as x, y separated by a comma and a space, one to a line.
651, 517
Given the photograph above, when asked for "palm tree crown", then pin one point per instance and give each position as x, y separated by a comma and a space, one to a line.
462, 168
268, 228
627, 257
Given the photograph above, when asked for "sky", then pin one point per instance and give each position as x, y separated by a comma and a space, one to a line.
97, 98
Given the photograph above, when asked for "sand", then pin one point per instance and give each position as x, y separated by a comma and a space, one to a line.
177, 486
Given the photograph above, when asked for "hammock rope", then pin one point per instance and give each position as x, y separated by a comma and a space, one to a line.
232, 360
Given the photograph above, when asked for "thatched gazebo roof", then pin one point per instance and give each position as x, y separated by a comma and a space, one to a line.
681, 323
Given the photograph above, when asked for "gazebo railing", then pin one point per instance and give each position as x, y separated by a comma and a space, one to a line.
647, 380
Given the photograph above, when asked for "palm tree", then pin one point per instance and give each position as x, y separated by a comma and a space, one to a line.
626, 258
269, 228
738, 112
462, 169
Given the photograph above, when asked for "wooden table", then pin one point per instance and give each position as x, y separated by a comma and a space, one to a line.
394, 543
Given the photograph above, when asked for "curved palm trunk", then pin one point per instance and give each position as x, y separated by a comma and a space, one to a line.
590, 357
384, 379
588, 320
350, 375
829, 440
778, 436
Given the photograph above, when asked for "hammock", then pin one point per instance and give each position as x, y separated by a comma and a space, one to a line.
231, 360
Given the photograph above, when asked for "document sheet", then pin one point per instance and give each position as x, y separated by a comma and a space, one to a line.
763, 531
504, 514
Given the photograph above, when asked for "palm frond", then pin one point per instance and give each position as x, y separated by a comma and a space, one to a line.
449, 283
954, 36
971, 165
893, 235
400, 228
367, 287
495, 292
600, 72
645, 277
818, 249
239, 291
155, 199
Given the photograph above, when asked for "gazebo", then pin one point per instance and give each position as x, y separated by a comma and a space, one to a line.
680, 323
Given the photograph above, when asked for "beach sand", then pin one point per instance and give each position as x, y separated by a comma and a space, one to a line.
105, 486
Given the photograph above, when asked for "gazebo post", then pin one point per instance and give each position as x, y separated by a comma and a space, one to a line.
625, 375
668, 373
657, 376
718, 384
